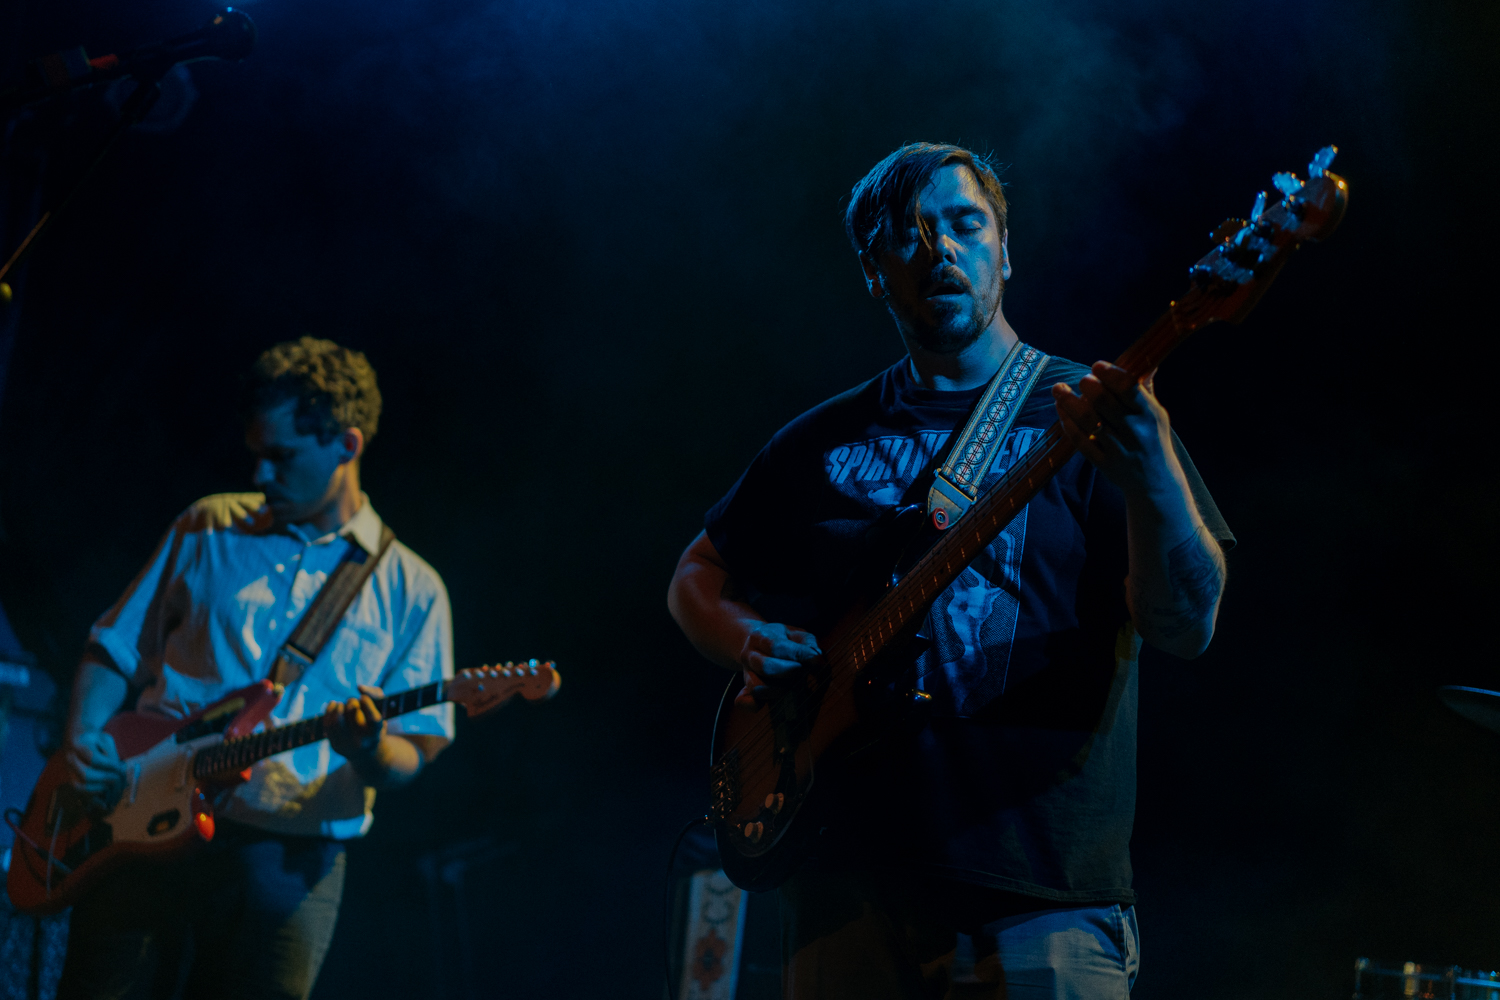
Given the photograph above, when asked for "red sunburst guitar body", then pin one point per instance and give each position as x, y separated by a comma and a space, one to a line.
176, 768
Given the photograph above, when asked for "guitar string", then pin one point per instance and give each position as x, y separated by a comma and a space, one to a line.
1144, 356
847, 673
211, 760
845, 663
220, 758
1182, 318
1156, 343
846, 660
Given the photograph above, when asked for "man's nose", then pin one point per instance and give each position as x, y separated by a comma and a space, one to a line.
947, 248
263, 473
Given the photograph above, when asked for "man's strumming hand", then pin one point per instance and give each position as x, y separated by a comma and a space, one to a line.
770, 653
96, 769
772, 649
720, 622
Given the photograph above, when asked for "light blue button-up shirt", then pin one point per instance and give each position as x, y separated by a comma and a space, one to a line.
212, 607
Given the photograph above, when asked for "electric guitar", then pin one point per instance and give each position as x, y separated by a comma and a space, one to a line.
176, 768
769, 758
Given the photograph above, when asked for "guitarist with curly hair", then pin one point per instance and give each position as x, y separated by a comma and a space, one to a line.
251, 913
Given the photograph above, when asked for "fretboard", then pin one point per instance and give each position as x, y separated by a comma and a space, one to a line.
909, 599
1227, 283
242, 751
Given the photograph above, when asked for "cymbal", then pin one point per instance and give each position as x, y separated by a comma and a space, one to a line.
1474, 704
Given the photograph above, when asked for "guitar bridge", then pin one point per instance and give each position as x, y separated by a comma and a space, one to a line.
724, 786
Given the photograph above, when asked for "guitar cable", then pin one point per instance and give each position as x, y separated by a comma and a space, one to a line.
666, 926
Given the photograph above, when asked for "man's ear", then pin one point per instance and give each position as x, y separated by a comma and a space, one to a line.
872, 276
352, 441
1005, 255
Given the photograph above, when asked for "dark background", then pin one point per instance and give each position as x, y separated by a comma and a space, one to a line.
594, 251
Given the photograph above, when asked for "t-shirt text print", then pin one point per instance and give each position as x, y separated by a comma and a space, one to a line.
973, 623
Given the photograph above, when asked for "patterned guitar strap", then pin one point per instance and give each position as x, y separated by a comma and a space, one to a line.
322, 619
957, 484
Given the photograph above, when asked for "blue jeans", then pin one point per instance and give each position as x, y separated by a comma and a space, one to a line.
845, 935
248, 916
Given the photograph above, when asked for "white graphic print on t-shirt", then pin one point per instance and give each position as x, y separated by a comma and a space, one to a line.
973, 623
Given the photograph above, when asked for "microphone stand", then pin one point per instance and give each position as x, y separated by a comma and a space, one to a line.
230, 34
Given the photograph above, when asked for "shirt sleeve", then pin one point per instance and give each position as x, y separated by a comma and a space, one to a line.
1207, 509
133, 633
427, 657
743, 525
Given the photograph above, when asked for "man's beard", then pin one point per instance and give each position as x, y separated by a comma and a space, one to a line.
953, 329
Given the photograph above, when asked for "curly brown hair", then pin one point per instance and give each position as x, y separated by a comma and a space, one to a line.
334, 387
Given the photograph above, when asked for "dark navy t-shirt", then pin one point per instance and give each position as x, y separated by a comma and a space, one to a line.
1024, 779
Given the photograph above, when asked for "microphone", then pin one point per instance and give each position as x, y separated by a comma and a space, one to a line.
229, 34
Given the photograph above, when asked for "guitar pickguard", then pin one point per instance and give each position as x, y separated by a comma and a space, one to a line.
160, 793
754, 807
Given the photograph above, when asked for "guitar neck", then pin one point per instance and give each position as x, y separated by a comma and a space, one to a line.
909, 599
239, 753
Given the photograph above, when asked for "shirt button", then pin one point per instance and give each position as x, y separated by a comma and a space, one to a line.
280, 568
273, 624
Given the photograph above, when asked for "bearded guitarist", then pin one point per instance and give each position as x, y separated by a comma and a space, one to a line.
986, 852
251, 913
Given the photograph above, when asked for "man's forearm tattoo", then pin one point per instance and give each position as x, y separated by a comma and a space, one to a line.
1195, 578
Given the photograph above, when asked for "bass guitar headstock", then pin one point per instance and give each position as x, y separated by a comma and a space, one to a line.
1248, 253
483, 689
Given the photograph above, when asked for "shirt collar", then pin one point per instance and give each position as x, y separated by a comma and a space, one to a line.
364, 529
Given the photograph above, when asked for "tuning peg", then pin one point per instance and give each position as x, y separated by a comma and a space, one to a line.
1321, 161
1260, 206
1226, 230
1287, 184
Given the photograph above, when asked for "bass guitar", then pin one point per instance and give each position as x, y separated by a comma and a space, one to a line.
768, 758
176, 768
